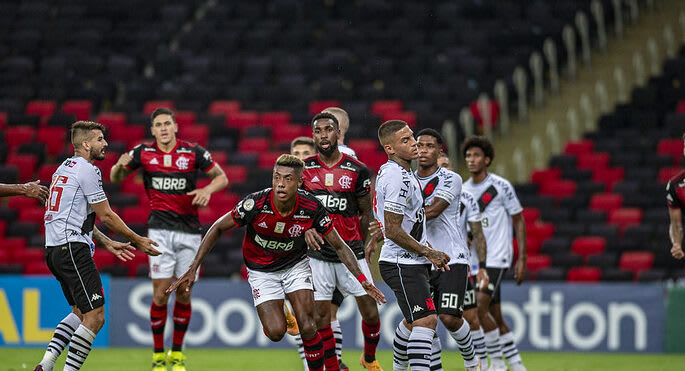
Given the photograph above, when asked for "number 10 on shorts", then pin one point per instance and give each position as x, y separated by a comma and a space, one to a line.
449, 300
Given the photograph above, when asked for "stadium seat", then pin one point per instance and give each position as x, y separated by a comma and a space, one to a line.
185, 119
286, 133
103, 258
593, 161
28, 255
666, 173
112, 119
275, 118
636, 261
42, 108
586, 246
606, 201
19, 135
625, 217
32, 214
651, 275
135, 214
254, 145
530, 215
37, 268
566, 260
541, 231
81, 109
236, 173
54, 139
558, 188
267, 160
197, 133
605, 260
672, 147
26, 165
608, 176
361, 146
579, 147
242, 119
550, 274
224, 107
3, 120
537, 262
382, 107
584, 274
613, 274
151, 105
320, 105
131, 135
542, 176
406, 116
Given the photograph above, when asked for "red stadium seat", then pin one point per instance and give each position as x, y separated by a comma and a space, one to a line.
3, 120
537, 262
666, 173
383, 107
220, 157
102, 258
37, 268
224, 201
32, 214
224, 107
407, 116
583, 274
530, 215
320, 105
13, 243
592, 161
281, 134
79, 108
542, 176
672, 147
42, 108
636, 261
25, 163
132, 135
185, 118
132, 186
363, 145
586, 246
54, 139
579, 147
533, 245
254, 145
18, 135
196, 133
236, 174
541, 231
209, 215
680, 107
373, 160
608, 176
151, 105
625, 217
18, 203
267, 160
275, 118
558, 188
3, 228
30, 254
112, 119
135, 215
606, 201
242, 119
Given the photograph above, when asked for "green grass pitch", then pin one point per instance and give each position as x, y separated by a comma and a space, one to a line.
117, 359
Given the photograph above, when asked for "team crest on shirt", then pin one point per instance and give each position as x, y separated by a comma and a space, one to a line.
280, 226
182, 163
167, 160
295, 230
329, 180
345, 182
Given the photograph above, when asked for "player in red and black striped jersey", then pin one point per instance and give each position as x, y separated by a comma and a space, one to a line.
343, 185
170, 169
675, 198
281, 222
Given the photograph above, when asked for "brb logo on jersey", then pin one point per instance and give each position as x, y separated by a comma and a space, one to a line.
182, 163
345, 182
332, 202
168, 184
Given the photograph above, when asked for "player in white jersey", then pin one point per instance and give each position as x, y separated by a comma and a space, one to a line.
406, 255
500, 210
75, 198
441, 189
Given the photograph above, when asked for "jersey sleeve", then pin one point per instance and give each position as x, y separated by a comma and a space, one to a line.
135, 161
363, 186
448, 189
322, 221
396, 192
203, 159
672, 197
245, 210
90, 181
511, 201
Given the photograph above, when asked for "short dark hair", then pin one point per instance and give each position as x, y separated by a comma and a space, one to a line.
431, 132
481, 142
291, 161
326, 115
162, 111
308, 141
80, 131
389, 128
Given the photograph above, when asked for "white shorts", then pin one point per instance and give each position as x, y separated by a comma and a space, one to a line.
328, 276
275, 285
178, 251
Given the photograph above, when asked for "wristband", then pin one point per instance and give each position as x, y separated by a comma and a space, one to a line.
361, 277
481, 265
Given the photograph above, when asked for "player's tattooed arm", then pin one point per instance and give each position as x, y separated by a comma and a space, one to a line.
436, 208
219, 182
347, 257
394, 232
482, 252
122, 250
675, 231
109, 218
520, 268
208, 241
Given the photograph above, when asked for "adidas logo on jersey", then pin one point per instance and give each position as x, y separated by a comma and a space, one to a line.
154, 161
315, 179
417, 309
263, 225
95, 296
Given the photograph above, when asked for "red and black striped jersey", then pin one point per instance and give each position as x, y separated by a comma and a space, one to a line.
168, 177
675, 192
275, 242
338, 188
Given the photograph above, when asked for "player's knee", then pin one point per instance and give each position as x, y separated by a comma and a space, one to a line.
452, 323
308, 329
160, 298
471, 316
369, 310
275, 334
430, 321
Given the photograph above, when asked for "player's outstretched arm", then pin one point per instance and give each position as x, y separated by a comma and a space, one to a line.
394, 232
482, 252
347, 257
119, 170
114, 222
219, 182
675, 231
208, 241
30, 189
520, 269
122, 250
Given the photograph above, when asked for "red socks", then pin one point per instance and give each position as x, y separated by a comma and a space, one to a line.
182, 313
313, 352
372, 333
157, 321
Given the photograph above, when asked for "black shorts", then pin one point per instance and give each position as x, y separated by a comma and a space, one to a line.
410, 283
337, 298
494, 289
470, 295
448, 289
75, 270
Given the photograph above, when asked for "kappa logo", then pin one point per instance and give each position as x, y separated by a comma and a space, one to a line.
263, 225
95, 296
315, 179
416, 309
154, 161
182, 163
345, 182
